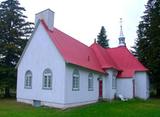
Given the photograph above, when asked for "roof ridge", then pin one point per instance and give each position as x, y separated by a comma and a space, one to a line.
68, 36
61, 32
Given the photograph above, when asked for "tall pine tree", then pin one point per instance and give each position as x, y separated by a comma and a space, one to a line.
102, 38
148, 42
14, 33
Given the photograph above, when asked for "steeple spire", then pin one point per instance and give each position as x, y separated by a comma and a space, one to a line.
121, 37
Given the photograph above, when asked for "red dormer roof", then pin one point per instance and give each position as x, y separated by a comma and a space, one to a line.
95, 57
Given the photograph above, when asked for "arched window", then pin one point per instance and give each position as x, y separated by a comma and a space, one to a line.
47, 79
90, 82
75, 81
28, 79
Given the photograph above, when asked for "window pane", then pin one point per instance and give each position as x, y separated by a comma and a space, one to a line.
28, 79
49, 81
47, 76
75, 80
45, 81
113, 82
90, 82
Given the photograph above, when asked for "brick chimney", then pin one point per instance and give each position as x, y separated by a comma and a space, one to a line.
46, 15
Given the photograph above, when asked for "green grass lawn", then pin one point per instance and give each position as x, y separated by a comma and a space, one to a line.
132, 108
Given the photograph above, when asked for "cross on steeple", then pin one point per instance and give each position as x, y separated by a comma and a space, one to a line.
121, 37
121, 30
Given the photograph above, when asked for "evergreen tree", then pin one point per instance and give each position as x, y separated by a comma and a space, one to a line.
14, 33
148, 42
102, 38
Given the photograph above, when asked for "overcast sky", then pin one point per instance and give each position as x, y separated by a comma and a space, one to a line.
82, 19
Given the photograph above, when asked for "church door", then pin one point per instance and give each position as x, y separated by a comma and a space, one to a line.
100, 88
133, 88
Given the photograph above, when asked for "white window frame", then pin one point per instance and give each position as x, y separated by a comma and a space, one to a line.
28, 80
47, 79
75, 80
90, 82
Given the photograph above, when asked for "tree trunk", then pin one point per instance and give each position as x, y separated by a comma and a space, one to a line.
7, 92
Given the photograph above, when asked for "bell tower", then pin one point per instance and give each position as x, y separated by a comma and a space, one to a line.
121, 36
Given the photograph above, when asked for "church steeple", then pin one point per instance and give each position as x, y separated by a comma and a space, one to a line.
121, 37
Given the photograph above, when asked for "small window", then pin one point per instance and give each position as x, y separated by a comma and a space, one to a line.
90, 82
47, 79
114, 82
75, 82
28, 80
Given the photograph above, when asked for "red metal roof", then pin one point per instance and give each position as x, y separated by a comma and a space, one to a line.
104, 58
118, 58
125, 61
73, 51
95, 57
